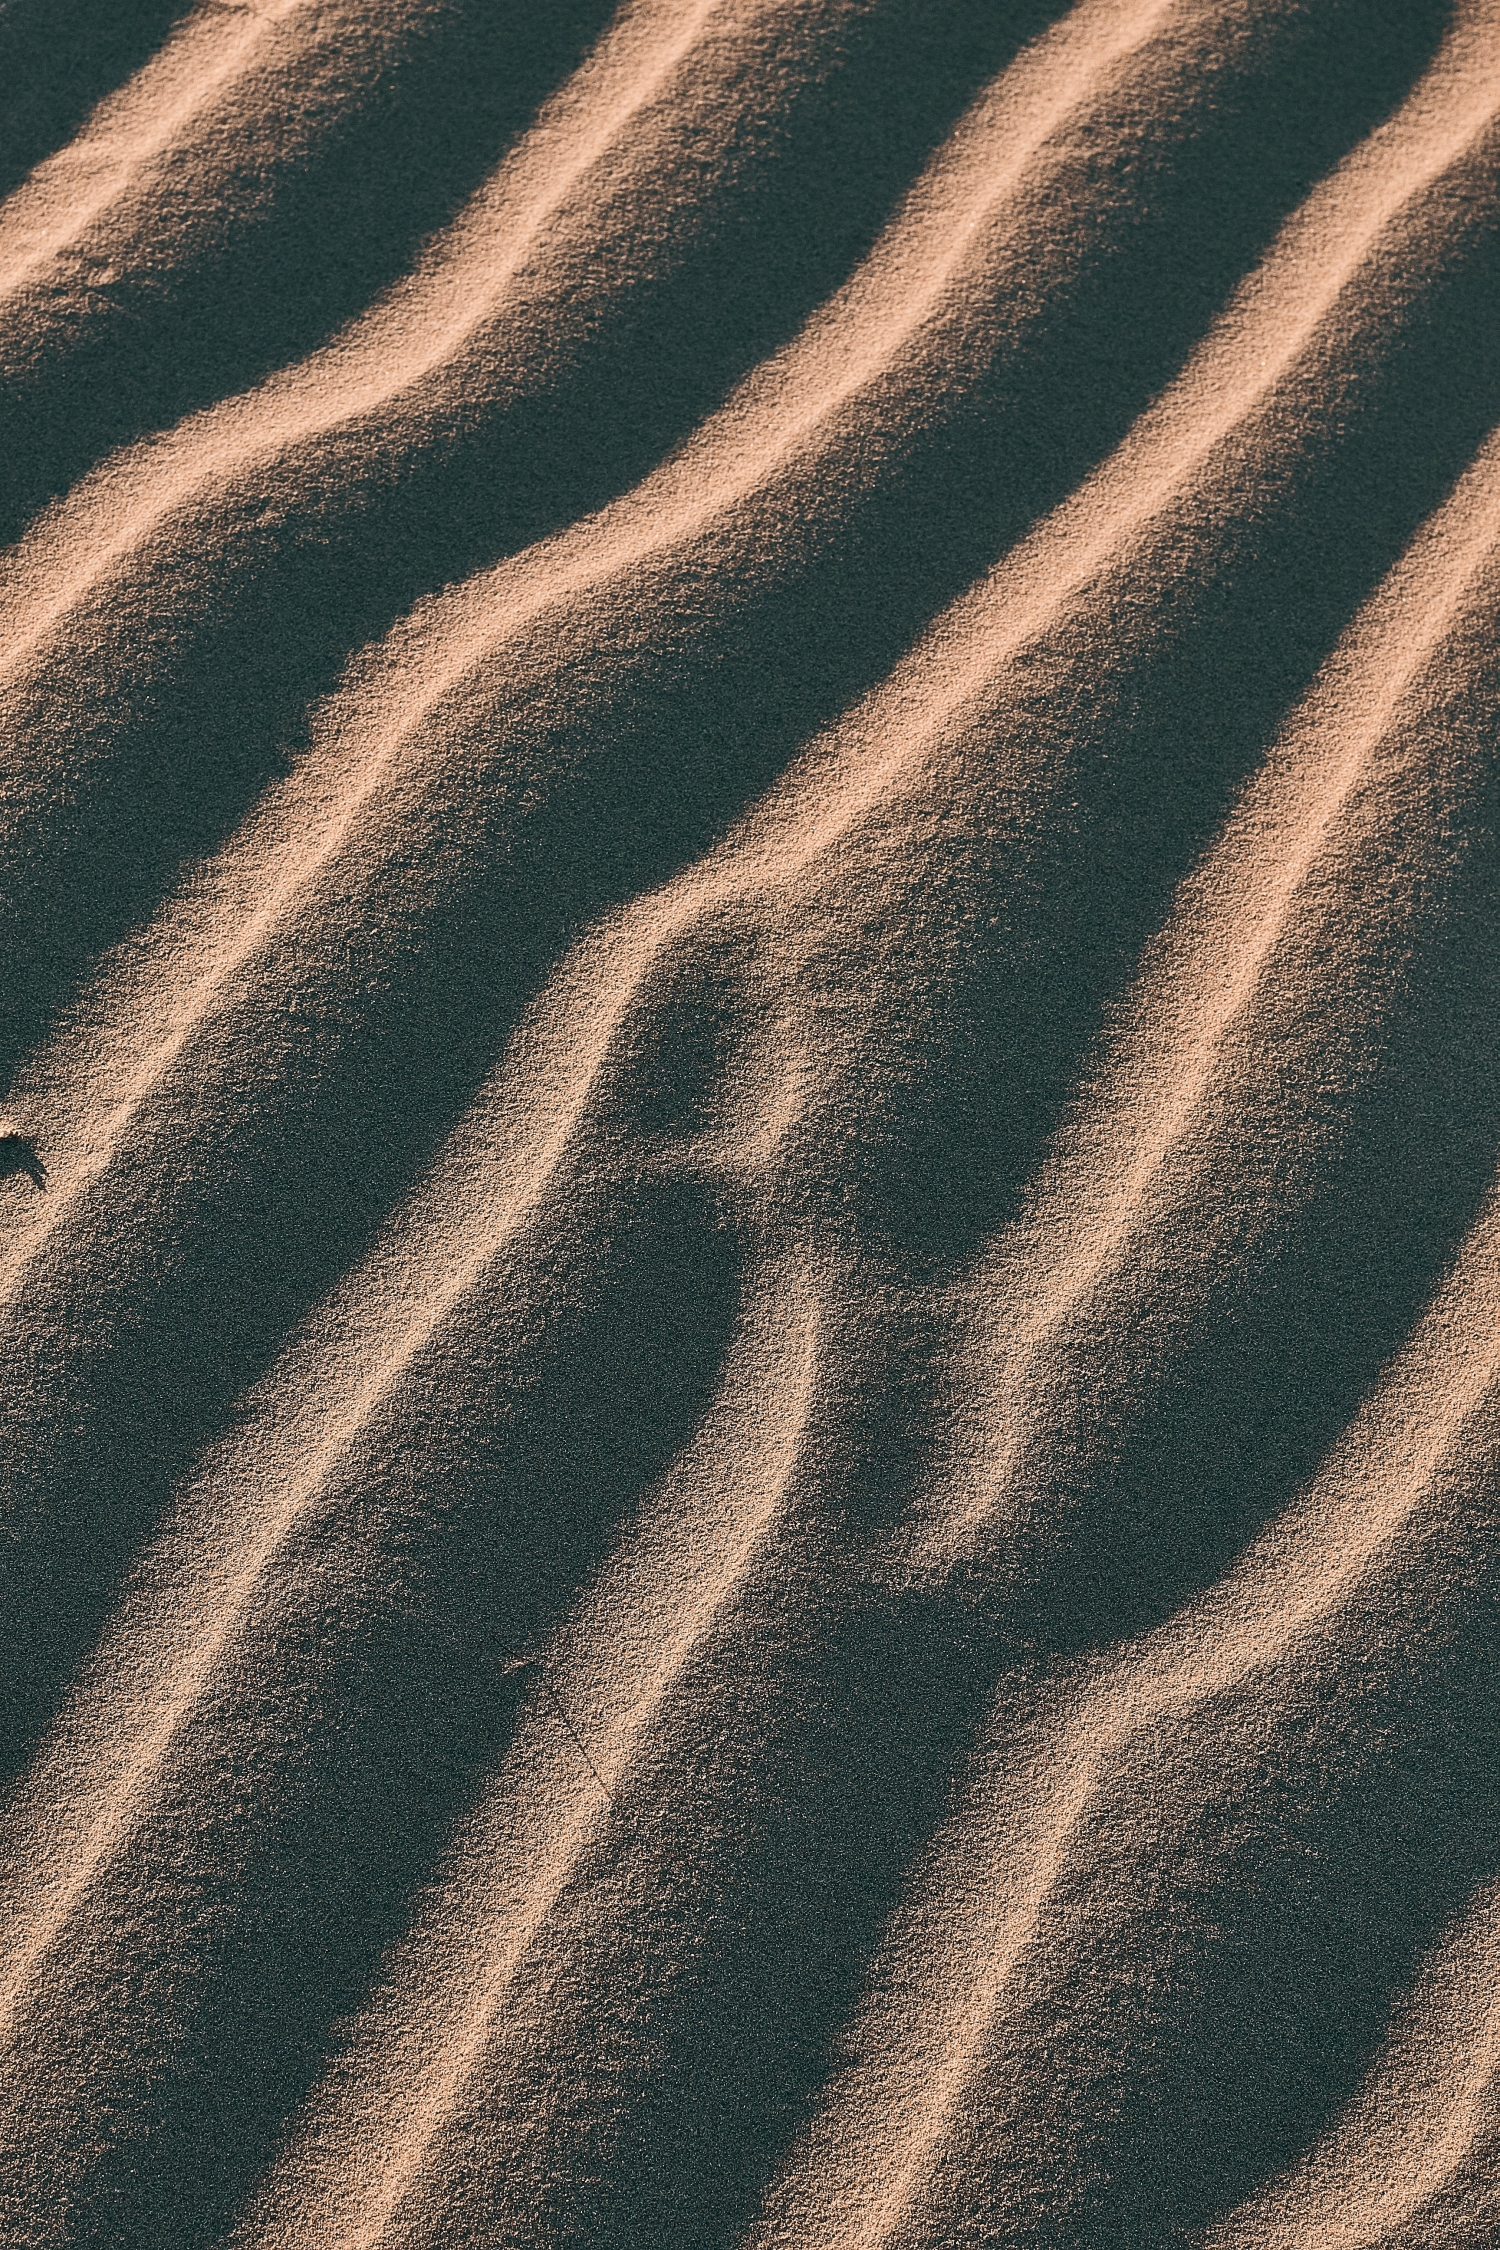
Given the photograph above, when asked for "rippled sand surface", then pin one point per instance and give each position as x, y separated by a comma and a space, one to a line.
750, 891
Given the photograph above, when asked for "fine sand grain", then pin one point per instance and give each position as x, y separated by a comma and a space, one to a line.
749, 1178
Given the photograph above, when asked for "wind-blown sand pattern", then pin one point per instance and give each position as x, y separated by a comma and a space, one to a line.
750, 1221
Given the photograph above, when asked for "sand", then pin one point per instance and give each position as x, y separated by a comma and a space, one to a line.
749, 852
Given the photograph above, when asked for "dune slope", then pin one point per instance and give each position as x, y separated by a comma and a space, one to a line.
749, 855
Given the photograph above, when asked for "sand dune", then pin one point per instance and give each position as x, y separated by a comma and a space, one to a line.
751, 1227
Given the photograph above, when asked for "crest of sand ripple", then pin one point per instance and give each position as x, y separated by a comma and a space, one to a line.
1412, 2159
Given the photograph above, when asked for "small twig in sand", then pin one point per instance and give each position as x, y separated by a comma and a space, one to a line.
535, 1664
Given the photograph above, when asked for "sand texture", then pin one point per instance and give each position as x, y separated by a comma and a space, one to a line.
750, 1049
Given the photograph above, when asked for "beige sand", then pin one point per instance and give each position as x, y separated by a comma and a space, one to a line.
750, 1214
